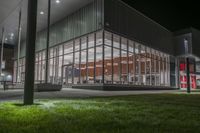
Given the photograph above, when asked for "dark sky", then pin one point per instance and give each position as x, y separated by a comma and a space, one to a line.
172, 14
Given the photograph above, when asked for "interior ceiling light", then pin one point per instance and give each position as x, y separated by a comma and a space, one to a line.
57, 1
12, 34
41, 13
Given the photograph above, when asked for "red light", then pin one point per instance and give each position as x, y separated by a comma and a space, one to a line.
182, 67
183, 78
183, 85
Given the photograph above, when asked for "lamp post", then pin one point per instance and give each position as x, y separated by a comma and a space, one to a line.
2, 48
47, 43
19, 46
188, 65
30, 52
188, 75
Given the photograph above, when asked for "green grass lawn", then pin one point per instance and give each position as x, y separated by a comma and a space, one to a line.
131, 114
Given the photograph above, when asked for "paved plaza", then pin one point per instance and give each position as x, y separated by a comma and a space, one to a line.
76, 93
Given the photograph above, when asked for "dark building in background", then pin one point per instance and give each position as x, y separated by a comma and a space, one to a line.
8, 63
106, 44
187, 45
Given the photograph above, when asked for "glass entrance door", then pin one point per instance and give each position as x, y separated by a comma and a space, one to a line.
67, 74
22, 77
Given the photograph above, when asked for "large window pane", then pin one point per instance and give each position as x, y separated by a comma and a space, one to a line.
77, 44
15, 72
157, 78
68, 48
83, 43
153, 68
172, 71
143, 65
116, 41
137, 66
99, 38
116, 66
67, 69
51, 68
168, 70
91, 66
131, 63
108, 38
50, 54
77, 68
68, 59
108, 65
83, 67
60, 50
124, 67
60, 69
148, 66
98, 68
162, 71
124, 44
91, 40
39, 71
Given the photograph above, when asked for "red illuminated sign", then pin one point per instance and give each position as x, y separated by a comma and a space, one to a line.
182, 67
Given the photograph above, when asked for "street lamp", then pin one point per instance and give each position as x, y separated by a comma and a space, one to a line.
188, 64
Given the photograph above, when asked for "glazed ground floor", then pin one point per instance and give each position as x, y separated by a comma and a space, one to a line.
105, 58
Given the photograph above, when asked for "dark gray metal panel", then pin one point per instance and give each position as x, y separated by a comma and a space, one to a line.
193, 37
180, 45
196, 42
127, 21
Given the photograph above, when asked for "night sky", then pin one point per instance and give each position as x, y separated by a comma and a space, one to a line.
173, 15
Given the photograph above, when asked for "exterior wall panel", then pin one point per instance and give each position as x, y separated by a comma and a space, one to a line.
180, 44
196, 42
124, 20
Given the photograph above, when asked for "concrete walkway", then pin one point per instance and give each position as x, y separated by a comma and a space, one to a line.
75, 93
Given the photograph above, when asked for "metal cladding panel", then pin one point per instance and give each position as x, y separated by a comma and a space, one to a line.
196, 42
122, 19
180, 48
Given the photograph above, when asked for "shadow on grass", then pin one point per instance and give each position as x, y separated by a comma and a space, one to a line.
22, 105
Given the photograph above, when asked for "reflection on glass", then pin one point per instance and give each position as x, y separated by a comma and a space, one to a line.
108, 65
83, 43
131, 60
91, 41
99, 38
116, 41
99, 64
137, 65
116, 66
77, 68
91, 66
108, 39
83, 67
124, 67
143, 65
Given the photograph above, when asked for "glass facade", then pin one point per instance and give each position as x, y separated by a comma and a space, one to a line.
87, 19
103, 58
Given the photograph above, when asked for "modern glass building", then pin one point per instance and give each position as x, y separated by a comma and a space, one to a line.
105, 44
